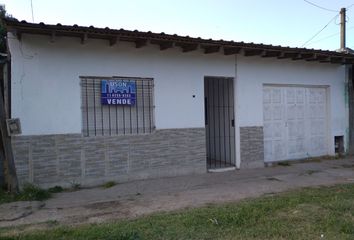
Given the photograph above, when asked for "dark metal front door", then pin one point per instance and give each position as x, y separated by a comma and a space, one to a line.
219, 122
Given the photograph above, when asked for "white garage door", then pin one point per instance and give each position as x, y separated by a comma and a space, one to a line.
295, 122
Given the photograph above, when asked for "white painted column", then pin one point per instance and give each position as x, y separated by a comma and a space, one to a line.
237, 122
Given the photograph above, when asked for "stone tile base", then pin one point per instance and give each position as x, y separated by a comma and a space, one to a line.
252, 148
50, 160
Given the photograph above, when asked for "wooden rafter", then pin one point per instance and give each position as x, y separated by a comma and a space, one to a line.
252, 52
232, 50
84, 38
139, 43
52, 37
166, 45
302, 56
113, 41
319, 58
163, 44
270, 53
210, 48
284, 55
187, 47
349, 61
340, 60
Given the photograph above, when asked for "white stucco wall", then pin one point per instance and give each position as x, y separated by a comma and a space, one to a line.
46, 92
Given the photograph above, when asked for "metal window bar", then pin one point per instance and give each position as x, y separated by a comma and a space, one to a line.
228, 114
108, 120
137, 107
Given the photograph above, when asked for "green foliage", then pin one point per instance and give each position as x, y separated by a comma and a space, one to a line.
3, 32
284, 164
29, 192
6, 197
75, 185
109, 184
55, 189
311, 213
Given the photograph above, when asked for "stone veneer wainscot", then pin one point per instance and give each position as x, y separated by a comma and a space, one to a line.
64, 159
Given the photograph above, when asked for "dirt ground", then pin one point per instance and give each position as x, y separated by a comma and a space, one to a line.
132, 199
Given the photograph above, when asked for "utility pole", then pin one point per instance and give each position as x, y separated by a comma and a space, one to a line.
342, 29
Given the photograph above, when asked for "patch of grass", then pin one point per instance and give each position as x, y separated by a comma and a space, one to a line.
273, 179
339, 156
109, 184
75, 186
55, 189
303, 214
29, 192
6, 197
284, 164
347, 165
309, 172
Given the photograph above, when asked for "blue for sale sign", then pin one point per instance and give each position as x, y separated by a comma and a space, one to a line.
118, 92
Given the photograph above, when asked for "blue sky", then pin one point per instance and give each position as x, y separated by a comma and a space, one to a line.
277, 22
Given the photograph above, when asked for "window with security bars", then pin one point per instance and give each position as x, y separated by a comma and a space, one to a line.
110, 120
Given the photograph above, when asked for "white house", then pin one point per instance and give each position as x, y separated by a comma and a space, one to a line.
189, 105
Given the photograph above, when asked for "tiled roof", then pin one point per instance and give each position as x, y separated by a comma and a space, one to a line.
186, 43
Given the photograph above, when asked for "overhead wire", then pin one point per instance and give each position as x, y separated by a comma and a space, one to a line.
324, 38
328, 36
318, 6
332, 19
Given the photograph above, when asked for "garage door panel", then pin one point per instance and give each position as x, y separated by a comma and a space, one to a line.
267, 95
295, 122
290, 95
312, 95
296, 129
300, 95
279, 150
291, 112
296, 147
273, 130
276, 95
292, 129
319, 110
321, 96
267, 130
300, 128
277, 112
267, 112
268, 150
300, 111
278, 130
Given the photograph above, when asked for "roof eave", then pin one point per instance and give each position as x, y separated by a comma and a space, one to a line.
186, 43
